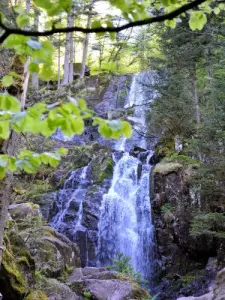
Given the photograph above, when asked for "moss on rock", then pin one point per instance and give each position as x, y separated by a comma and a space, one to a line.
166, 168
37, 295
11, 276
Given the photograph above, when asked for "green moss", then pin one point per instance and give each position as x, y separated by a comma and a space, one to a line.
23, 260
165, 147
106, 170
167, 207
139, 292
13, 271
37, 295
166, 168
187, 279
180, 158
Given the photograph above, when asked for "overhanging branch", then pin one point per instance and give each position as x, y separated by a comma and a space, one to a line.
8, 31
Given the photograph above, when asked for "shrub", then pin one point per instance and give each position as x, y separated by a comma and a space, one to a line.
209, 223
122, 265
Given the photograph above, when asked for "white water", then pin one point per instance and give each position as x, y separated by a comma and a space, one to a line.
139, 99
125, 225
77, 181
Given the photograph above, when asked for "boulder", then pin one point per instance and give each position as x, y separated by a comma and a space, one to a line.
216, 293
20, 211
56, 290
102, 284
51, 250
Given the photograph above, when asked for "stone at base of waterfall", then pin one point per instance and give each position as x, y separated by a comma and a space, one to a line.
104, 285
218, 290
56, 290
208, 296
1, 296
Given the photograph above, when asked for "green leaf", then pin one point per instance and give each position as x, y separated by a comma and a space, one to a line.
170, 23
12, 164
127, 129
82, 104
197, 20
22, 20
46, 72
33, 67
96, 24
2, 172
62, 151
104, 130
216, 10
77, 125
46, 4
7, 80
8, 102
4, 129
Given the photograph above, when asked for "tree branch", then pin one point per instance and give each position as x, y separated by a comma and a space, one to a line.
8, 31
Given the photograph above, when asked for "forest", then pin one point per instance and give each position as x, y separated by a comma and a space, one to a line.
112, 137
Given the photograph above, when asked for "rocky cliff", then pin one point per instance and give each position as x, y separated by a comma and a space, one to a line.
64, 224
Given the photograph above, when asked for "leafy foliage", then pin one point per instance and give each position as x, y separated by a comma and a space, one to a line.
122, 265
208, 224
45, 120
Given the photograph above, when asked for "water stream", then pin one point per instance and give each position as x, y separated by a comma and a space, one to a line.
124, 220
125, 225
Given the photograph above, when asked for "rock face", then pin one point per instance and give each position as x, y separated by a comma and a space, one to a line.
76, 209
184, 249
33, 248
56, 290
104, 285
217, 291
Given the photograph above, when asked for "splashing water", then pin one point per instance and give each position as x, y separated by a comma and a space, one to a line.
125, 224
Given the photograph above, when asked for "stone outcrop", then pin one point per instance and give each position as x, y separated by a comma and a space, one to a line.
104, 285
217, 291
186, 242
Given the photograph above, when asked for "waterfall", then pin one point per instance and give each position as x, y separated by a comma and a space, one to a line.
72, 193
139, 102
105, 220
125, 224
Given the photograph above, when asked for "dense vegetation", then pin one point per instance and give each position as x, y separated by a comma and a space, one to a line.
46, 43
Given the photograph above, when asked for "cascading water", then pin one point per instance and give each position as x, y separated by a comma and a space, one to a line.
122, 210
138, 102
77, 183
70, 199
125, 225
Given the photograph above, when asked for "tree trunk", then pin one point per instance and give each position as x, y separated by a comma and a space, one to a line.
67, 58
72, 47
85, 49
26, 71
195, 95
59, 56
25, 84
35, 80
10, 148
